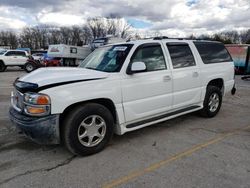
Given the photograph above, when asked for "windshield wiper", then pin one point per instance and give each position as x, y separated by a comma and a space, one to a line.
92, 68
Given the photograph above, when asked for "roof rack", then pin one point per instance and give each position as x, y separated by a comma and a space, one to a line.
177, 38
160, 38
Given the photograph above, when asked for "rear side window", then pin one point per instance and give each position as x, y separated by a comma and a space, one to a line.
212, 52
20, 53
181, 55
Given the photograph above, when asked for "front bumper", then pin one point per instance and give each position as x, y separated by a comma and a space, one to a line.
42, 130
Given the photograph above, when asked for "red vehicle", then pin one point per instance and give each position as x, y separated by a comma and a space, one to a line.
33, 64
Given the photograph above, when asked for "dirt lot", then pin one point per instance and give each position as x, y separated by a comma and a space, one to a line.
188, 151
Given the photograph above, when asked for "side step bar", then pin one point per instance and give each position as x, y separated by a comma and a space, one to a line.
161, 117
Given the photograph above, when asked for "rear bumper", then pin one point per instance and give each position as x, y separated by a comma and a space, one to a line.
42, 130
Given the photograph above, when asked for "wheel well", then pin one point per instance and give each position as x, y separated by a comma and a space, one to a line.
217, 82
103, 101
1, 61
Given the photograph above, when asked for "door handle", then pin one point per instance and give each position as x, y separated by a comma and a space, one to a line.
195, 74
166, 78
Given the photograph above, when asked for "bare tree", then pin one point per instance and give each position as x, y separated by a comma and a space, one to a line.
97, 27
26, 38
245, 36
8, 38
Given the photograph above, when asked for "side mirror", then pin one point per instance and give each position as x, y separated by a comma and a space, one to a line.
137, 67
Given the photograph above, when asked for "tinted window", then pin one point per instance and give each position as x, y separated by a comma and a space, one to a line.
20, 53
181, 55
15, 53
151, 55
212, 52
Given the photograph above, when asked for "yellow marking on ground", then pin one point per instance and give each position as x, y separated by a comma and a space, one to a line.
167, 161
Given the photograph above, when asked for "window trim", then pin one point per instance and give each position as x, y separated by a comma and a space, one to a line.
143, 46
180, 44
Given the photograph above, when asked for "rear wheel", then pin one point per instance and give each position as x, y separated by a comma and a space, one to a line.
29, 67
212, 102
88, 129
2, 66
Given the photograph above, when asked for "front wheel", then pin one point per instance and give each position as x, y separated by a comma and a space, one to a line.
212, 102
87, 129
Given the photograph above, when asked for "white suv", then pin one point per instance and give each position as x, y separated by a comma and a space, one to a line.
120, 88
13, 58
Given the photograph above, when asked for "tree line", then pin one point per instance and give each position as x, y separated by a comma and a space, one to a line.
227, 37
39, 37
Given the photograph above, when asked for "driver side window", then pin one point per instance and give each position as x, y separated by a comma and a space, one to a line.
151, 55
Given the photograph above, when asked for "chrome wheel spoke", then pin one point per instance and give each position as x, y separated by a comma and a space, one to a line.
93, 121
83, 135
84, 125
210, 102
100, 125
90, 140
92, 130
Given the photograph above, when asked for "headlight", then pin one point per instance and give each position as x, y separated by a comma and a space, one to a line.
36, 99
36, 104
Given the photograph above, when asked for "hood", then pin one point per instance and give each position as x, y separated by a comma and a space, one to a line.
43, 77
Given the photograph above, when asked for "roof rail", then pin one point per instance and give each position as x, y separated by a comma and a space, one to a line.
177, 38
160, 38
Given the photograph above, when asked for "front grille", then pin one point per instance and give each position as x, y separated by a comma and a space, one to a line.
17, 100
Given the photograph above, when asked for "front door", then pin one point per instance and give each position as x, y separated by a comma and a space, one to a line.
148, 93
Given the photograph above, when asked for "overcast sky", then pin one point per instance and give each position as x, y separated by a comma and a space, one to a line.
171, 17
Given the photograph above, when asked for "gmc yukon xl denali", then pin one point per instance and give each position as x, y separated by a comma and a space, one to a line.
120, 88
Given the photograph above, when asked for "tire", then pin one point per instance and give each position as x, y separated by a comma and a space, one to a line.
29, 67
212, 102
79, 123
2, 66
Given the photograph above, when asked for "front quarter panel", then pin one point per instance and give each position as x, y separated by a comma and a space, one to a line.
65, 95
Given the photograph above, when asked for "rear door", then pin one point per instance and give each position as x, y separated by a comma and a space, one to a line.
148, 93
186, 75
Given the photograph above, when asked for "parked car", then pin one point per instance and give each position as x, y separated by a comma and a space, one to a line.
38, 56
45, 61
120, 88
13, 58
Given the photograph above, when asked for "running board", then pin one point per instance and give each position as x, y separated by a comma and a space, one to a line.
136, 124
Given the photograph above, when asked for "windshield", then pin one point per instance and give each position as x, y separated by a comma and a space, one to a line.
108, 58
